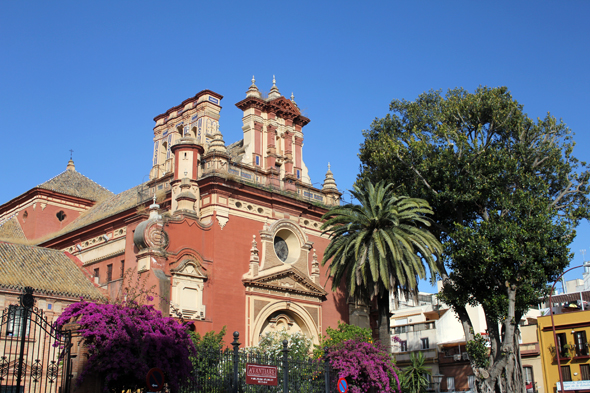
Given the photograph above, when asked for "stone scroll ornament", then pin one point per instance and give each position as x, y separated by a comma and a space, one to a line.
151, 234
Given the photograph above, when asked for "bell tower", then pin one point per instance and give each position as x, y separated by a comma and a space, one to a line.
196, 117
273, 134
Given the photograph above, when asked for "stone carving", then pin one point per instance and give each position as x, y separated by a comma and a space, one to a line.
222, 221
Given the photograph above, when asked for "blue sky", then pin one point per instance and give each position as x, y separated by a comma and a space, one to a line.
91, 76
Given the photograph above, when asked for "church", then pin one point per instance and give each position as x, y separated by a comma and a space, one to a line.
224, 234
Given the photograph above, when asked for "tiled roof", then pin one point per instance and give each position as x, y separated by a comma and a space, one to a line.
47, 271
11, 230
73, 183
109, 207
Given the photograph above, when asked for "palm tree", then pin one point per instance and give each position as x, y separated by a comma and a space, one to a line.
413, 376
380, 246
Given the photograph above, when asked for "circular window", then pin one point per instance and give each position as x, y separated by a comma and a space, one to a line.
238, 205
287, 246
250, 207
260, 210
306, 222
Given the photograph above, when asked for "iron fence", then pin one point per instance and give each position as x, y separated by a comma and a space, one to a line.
224, 371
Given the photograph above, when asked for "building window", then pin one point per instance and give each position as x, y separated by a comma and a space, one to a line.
567, 375
187, 293
451, 384
168, 146
424, 343
110, 272
122, 268
96, 275
298, 174
400, 329
581, 343
14, 325
61, 215
528, 379
561, 342
257, 160
471, 382
403, 346
585, 371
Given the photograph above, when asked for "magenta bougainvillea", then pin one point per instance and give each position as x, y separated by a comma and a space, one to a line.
365, 366
126, 340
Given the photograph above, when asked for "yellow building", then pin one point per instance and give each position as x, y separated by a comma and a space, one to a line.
572, 329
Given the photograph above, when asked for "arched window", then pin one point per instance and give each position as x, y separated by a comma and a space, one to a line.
188, 282
163, 153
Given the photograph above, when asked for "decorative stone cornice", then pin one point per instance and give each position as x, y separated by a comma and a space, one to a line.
270, 282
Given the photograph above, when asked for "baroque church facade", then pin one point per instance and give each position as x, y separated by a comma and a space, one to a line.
226, 235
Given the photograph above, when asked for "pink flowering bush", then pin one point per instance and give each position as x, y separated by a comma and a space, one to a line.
364, 365
126, 340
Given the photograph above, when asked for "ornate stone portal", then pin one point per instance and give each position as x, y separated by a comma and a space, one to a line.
282, 292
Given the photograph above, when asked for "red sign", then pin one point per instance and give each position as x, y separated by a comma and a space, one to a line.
155, 380
342, 385
257, 374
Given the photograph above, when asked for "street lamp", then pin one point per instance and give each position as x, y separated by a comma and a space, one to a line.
585, 264
437, 378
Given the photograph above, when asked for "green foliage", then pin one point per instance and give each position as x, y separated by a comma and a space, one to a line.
271, 344
346, 332
343, 333
380, 245
506, 192
413, 379
207, 362
478, 351
210, 341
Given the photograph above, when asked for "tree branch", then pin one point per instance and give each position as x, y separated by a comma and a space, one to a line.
416, 172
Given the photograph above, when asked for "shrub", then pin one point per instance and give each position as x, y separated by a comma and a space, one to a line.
364, 365
125, 341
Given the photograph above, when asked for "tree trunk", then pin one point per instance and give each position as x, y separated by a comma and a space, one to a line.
505, 375
383, 321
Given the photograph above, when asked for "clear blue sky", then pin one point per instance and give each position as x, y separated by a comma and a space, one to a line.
91, 76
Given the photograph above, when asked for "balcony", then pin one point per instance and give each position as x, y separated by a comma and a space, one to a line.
430, 355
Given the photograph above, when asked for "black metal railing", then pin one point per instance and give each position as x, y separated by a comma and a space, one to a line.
224, 371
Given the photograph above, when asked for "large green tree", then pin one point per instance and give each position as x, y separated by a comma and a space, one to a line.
507, 194
380, 246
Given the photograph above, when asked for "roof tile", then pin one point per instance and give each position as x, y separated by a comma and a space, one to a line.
48, 271
75, 184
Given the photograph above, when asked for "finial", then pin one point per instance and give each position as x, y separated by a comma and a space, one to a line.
292, 97
328, 166
71, 166
253, 90
274, 90
154, 199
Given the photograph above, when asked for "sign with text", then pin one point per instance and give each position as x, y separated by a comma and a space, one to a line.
257, 374
574, 385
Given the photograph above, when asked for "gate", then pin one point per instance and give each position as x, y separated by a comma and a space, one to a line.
34, 357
